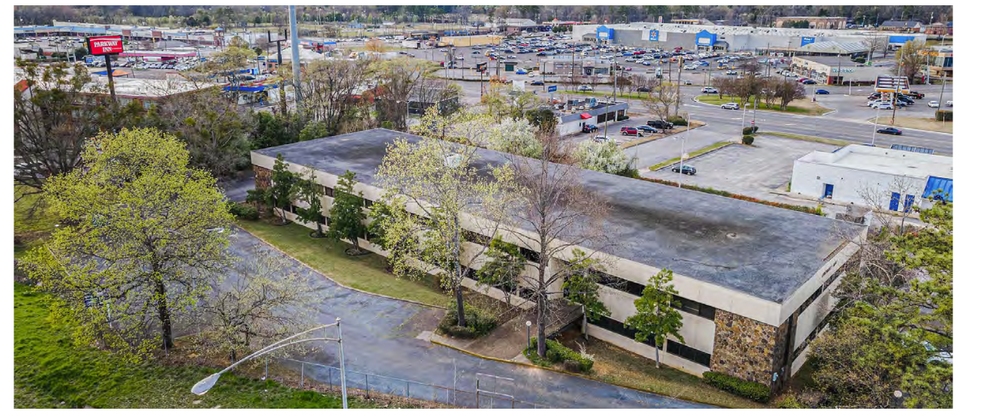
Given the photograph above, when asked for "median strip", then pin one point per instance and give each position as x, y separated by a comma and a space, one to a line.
692, 154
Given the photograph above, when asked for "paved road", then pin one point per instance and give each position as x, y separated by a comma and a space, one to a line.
381, 338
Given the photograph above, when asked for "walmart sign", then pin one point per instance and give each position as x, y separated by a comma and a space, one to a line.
807, 40
653, 35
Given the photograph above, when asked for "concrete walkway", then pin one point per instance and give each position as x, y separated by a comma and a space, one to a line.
381, 337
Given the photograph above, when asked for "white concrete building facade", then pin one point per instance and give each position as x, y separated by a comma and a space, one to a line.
875, 177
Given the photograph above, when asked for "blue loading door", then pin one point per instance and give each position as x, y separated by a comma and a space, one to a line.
909, 199
828, 190
894, 205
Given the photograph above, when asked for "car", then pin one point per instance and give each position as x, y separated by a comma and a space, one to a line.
688, 83
915, 94
730, 106
629, 131
584, 88
822, 91
647, 129
949, 103
686, 169
890, 130
644, 89
521, 72
709, 90
660, 124
731, 73
589, 128
536, 83
934, 104
882, 106
646, 63
602, 139
808, 81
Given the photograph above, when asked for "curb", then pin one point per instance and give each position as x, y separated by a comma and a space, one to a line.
770, 111
332, 279
699, 155
581, 376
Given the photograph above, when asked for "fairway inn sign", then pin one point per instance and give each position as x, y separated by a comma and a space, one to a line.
106, 46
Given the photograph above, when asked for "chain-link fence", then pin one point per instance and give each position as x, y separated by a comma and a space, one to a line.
487, 392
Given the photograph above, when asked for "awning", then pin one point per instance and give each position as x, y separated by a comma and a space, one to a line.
945, 185
116, 73
251, 89
585, 116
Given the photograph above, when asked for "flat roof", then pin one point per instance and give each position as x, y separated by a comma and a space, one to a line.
885, 160
766, 252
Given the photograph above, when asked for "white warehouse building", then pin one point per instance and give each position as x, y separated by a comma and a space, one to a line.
856, 174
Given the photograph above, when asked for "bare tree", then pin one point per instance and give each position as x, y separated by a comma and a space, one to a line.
660, 98
396, 81
875, 197
787, 91
554, 215
330, 88
874, 43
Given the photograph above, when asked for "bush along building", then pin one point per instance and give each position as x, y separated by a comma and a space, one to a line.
754, 282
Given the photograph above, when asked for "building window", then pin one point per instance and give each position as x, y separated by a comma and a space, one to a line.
672, 347
634, 288
329, 191
477, 238
367, 202
530, 255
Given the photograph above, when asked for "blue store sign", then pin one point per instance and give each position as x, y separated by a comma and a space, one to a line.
605, 33
706, 38
807, 40
654, 35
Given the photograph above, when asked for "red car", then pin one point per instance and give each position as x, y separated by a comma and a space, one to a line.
630, 131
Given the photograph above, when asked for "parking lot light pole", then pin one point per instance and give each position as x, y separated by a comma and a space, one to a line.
874, 128
743, 111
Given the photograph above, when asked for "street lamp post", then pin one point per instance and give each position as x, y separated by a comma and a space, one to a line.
529, 341
203, 386
743, 111
683, 153
874, 128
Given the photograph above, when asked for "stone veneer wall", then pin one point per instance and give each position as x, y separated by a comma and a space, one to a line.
261, 176
747, 349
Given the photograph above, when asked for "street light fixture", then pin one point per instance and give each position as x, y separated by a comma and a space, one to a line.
206, 384
529, 341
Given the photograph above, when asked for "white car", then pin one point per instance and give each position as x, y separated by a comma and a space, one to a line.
709, 90
934, 104
882, 106
949, 103
730, 106
584, 88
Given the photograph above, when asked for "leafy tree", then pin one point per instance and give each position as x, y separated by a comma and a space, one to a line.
437, 180
605, 157
214, 127
503, 266
543, 119
273, 130
656, 315
310, 192
313, 130
909, 59
283, 188
347, 213
581, 286
141, 234
515, 137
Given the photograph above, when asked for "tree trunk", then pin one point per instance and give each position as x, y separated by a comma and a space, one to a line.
541, 324
657, 355
164, 314
460, 300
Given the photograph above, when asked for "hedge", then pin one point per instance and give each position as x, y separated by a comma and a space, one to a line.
944, 115
747, 139
748, 389
723, 193
677, 120
749, 130
558, 353
244, 211
477, 322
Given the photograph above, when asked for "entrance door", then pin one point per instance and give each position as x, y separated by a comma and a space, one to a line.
909, 199
828, 190
894, 204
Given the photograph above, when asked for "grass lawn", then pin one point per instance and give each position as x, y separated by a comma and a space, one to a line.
366, 272
691, 155
30, 229
800, 106
617, 366
823, 140
50, 372
928, 124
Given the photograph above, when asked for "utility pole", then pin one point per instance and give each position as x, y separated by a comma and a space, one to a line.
895, 96
942, 88
295, 56
676, 109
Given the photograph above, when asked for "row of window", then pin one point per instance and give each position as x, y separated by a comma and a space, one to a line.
685, 304
680, 350
816, 294
477, 238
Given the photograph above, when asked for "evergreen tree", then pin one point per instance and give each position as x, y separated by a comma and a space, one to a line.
347, 214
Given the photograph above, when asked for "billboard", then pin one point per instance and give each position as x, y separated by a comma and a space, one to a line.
101, 45
605, 33
807, 40
654, 35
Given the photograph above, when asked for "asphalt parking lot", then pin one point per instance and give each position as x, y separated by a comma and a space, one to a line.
752, 171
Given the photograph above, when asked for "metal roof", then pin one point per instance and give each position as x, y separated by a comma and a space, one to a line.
834, 47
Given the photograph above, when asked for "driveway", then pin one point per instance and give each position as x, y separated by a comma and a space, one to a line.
381, 337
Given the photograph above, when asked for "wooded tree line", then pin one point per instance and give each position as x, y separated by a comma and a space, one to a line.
238, 16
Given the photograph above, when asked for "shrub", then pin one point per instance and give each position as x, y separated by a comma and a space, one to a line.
569, 359
244, 211
749, 130
789, 401
477, 322
944, 115
622, 117
677, 120
748, 389
747, 139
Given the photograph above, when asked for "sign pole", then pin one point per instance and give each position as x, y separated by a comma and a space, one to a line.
109, 77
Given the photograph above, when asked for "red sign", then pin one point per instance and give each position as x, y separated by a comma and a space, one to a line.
105, 45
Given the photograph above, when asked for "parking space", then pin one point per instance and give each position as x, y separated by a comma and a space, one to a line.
753, 171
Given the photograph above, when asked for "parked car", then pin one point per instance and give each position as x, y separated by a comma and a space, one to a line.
730, 106
647, 129
686, 169
660, 124
731, 73
822, 91
584, 88
874, 96
602, 139
808, 81
915, 94
629, 131
589, 128
688, 83
644, 89
890, 130
882, 106
949, 103
709, 90
521, 71
934, 104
